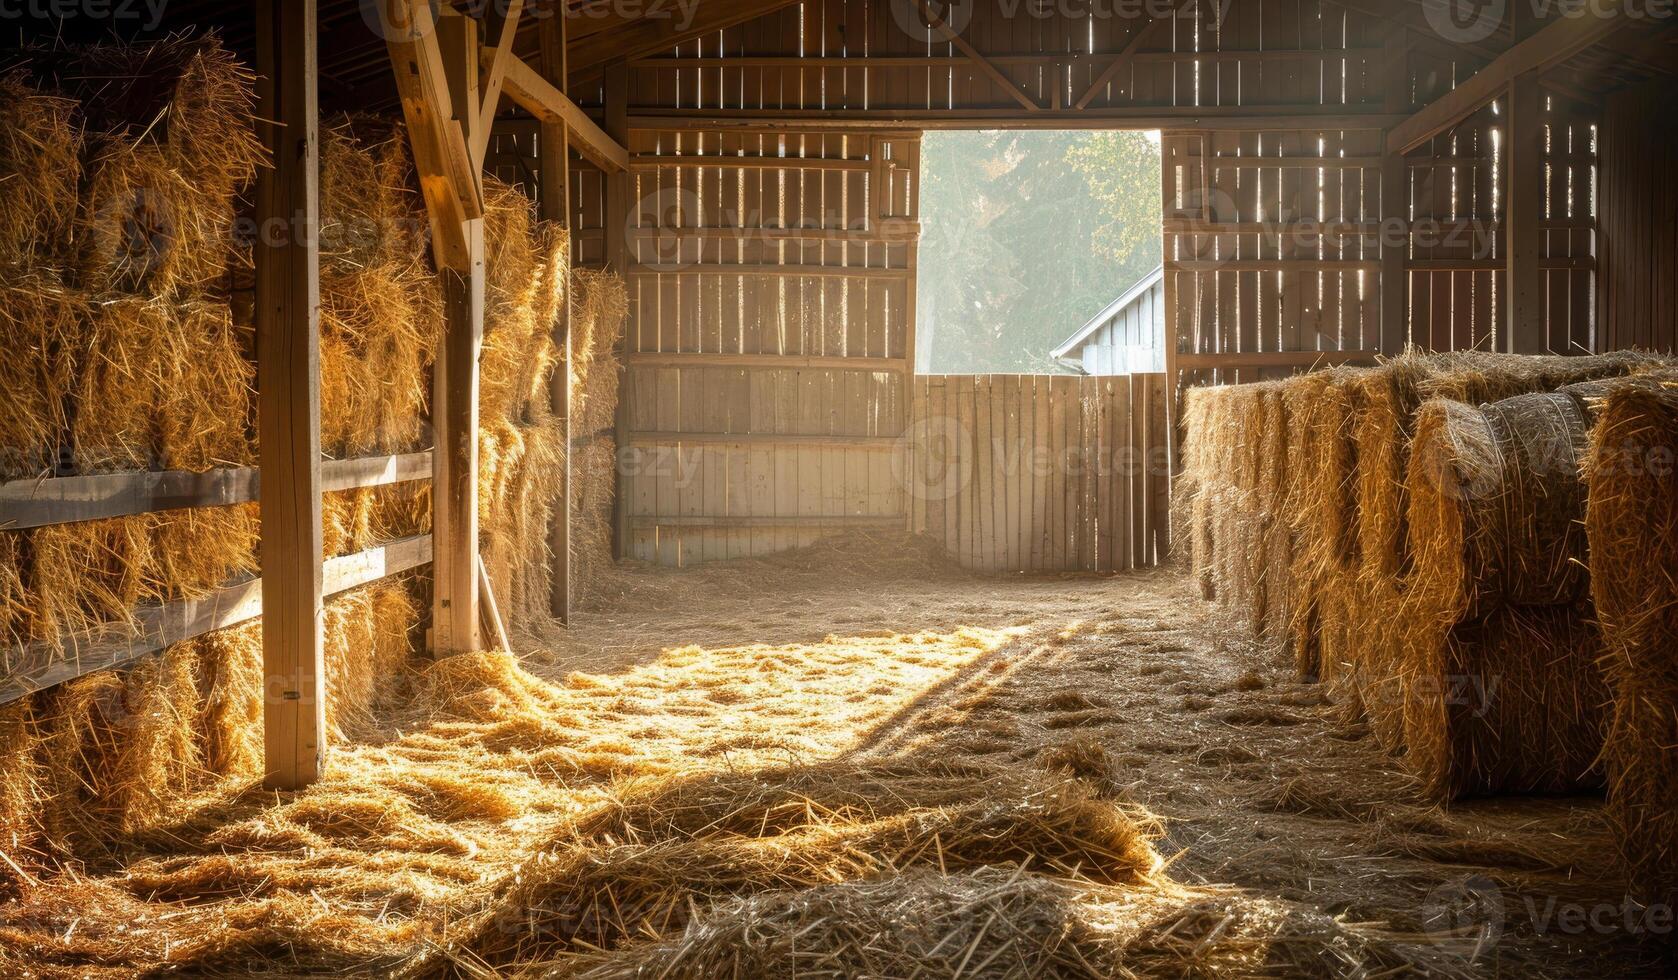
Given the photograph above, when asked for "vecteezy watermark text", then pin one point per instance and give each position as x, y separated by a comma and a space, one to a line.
148, 12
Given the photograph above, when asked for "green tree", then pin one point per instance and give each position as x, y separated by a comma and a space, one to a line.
1027, 235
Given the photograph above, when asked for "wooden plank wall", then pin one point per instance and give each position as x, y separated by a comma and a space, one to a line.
1015, 473
1271, 246
1264, 257
1639, 298
771, 324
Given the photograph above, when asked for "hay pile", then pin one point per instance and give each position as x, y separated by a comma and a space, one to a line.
1632, 524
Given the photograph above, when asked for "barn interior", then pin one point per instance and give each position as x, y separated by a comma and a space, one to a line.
471, 506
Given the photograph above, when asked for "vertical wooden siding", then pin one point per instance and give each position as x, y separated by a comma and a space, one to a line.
1640, 222
1014, 473
769, 341
1271, 246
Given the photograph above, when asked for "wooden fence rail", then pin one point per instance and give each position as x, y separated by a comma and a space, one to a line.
155, 627
1041, 473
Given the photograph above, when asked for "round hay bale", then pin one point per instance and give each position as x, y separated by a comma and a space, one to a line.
1496, 503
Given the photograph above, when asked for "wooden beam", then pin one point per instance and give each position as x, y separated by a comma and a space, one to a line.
1302, 118
501, 26
288, 398
493, 624
1258, 359
541, 99
605, 32
835, 521
896, 231
1124, 56
1395, 204
1555, 42
771, 269
454, 481
442, 154
554, 172
653, 161
775, 440
771, 362
995, 74
156, 627
99, 496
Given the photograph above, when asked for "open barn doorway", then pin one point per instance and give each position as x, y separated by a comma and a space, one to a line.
1036, 233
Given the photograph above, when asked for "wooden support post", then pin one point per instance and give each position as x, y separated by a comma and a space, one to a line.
288, 398
1523, 213
618, 205
454, 411
554, 161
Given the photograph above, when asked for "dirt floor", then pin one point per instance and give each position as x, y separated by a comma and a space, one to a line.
1261, 784
854, 760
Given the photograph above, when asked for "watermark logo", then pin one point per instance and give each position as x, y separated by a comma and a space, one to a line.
668, 210
148, 13
395, 21
1465, 912
1465, 21
932, 461
919, 18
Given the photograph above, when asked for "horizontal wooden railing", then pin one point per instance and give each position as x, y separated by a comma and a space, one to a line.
48, 501
70, 499
154, 627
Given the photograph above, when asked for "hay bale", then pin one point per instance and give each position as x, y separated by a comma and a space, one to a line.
1495, 598
171, 143
381, 306
41, 327
166, 384
94, 574
40, 170
1507, 703
115, 754
1321, 460
1632, 524
1386, 403
598, 313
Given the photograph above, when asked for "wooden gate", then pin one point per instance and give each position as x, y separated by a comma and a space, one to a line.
1018, 472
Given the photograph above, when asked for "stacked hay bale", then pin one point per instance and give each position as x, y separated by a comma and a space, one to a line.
521, 448
381, 318
1385, 406
598, 313
1491, 671
118, 189
126, 301
1295, 503
1631, 524
1318, 501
